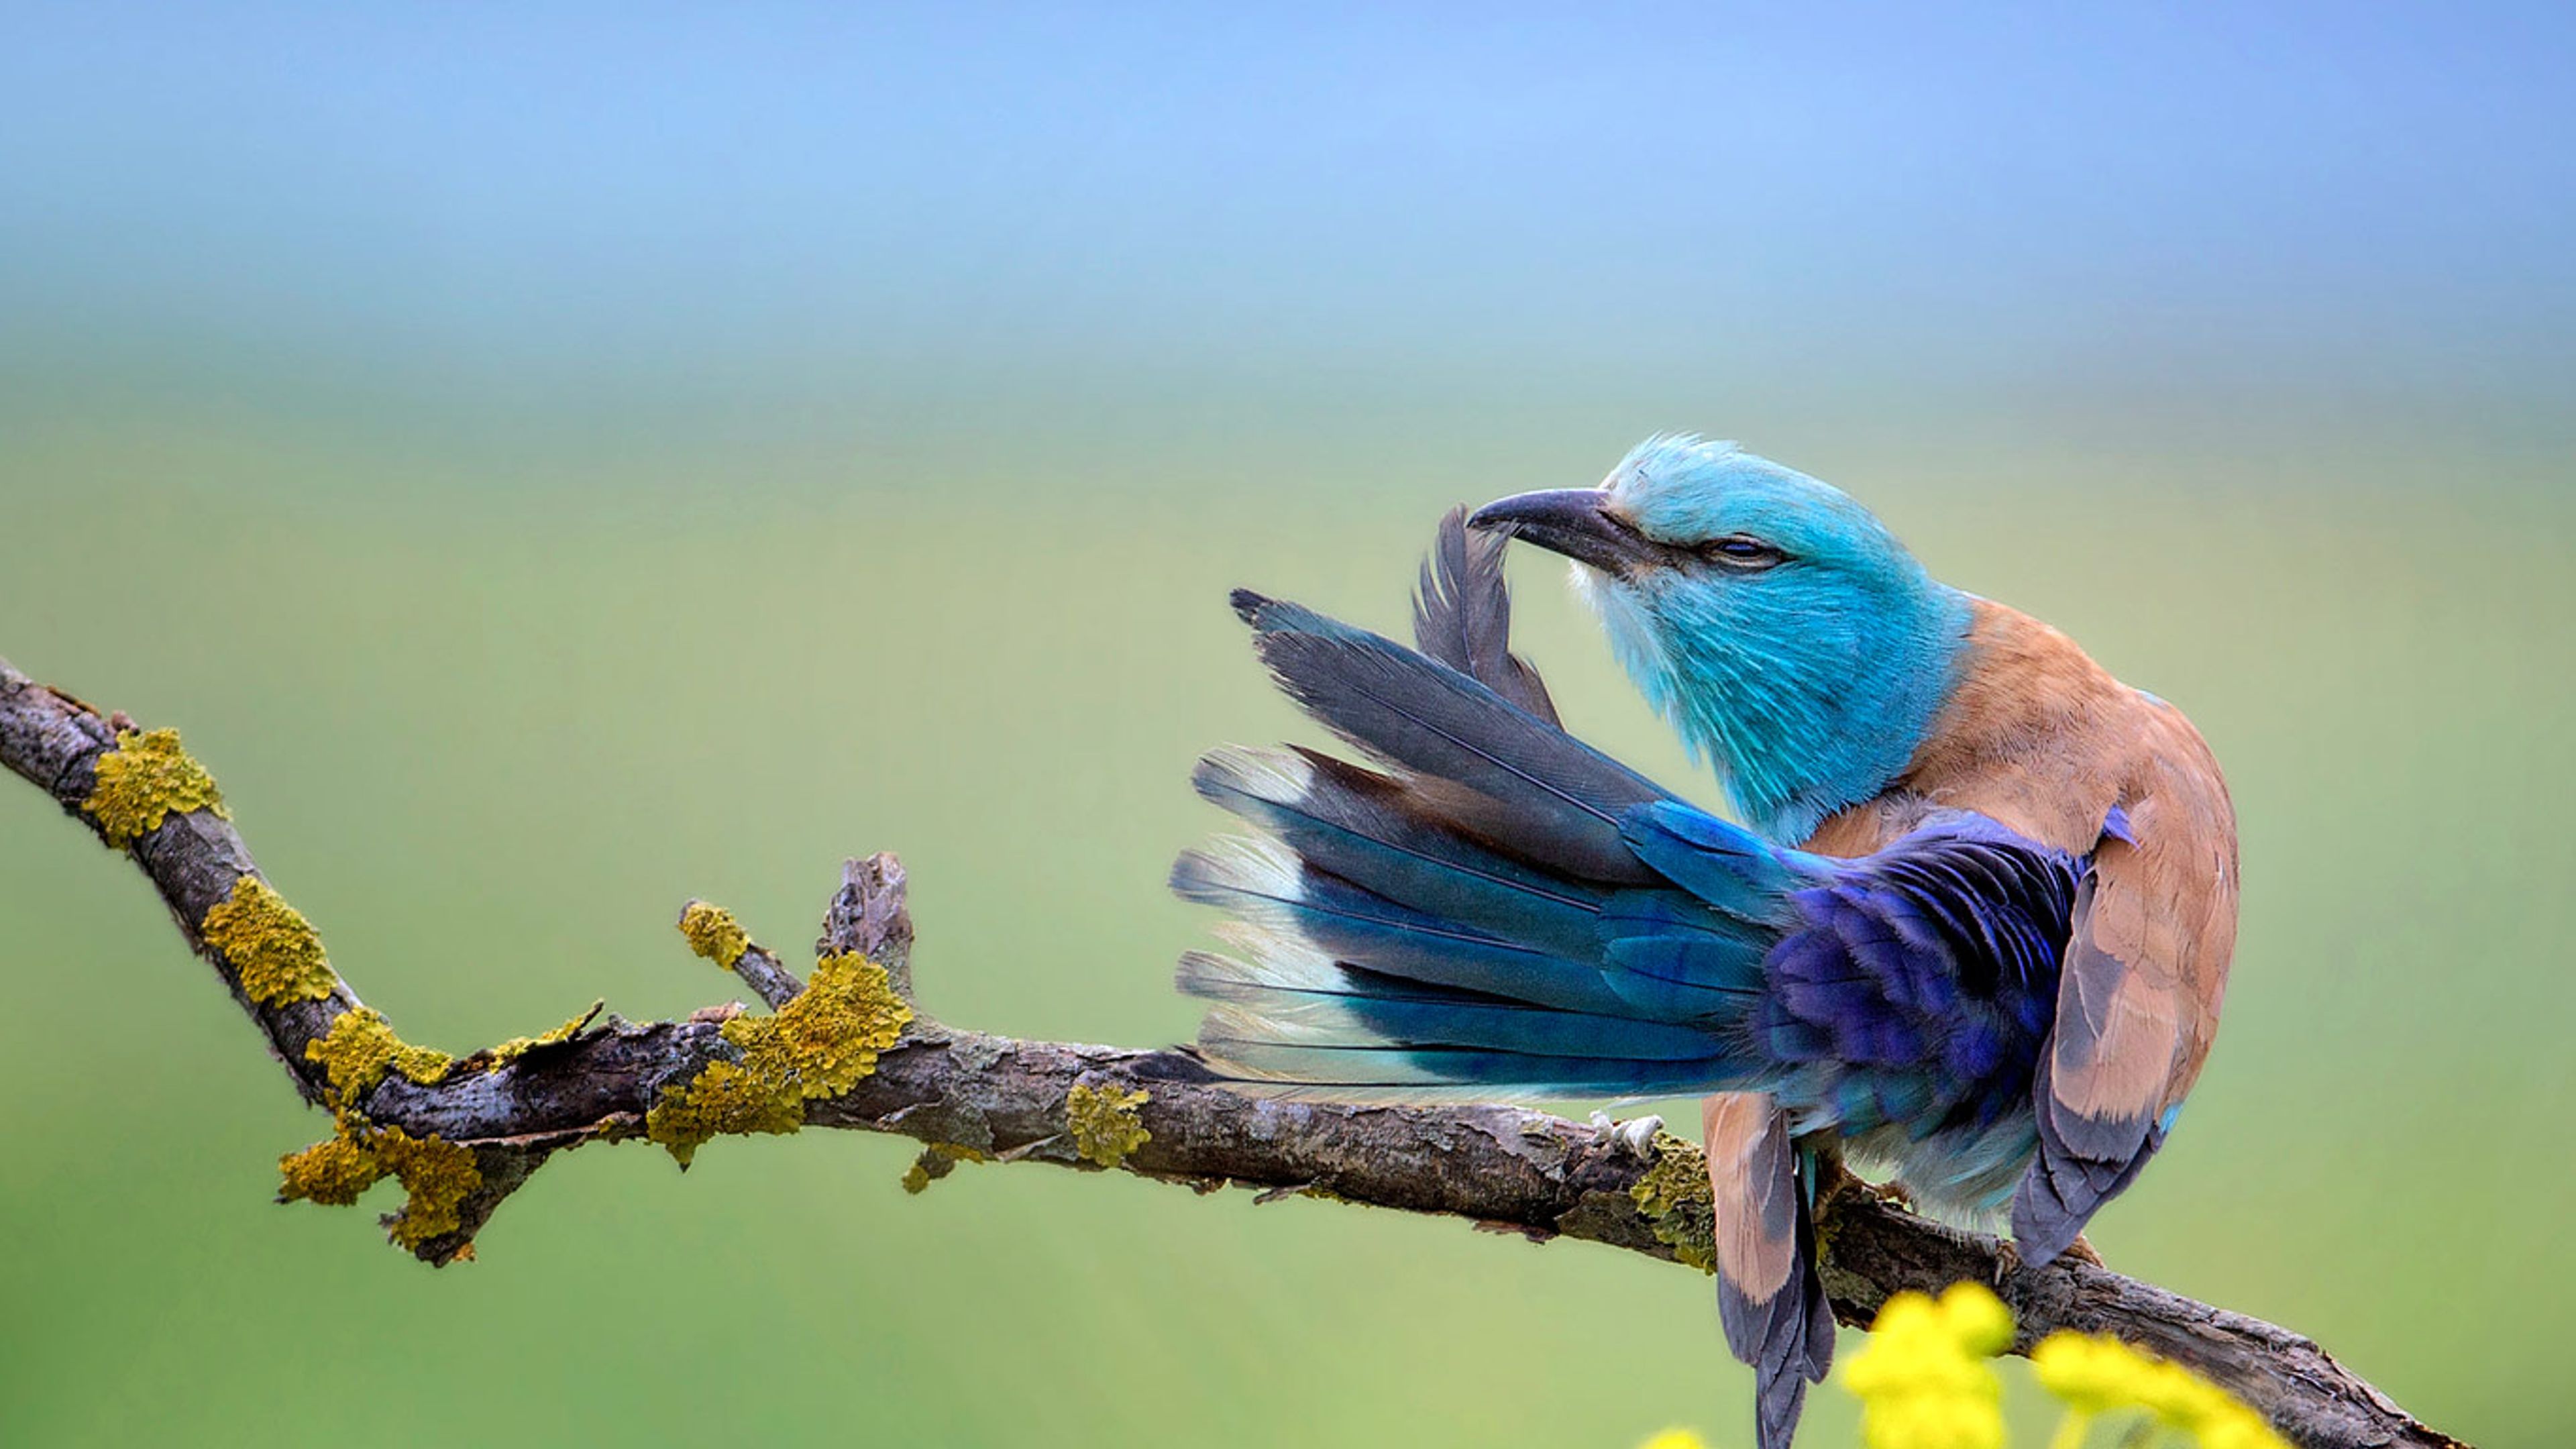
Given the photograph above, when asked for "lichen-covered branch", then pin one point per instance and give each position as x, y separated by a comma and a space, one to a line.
847, 1049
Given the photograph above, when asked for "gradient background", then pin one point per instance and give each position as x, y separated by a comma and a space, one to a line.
556, 460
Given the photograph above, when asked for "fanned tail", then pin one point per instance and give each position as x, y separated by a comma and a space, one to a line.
1459, 923
1502, 910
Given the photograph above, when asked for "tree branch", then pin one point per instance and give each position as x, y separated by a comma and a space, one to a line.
967, 1096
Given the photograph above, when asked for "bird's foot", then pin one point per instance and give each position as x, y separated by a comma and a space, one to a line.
1894, 1194
2008, 1259
1636, 1136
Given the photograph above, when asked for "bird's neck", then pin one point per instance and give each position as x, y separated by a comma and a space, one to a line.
1802, 706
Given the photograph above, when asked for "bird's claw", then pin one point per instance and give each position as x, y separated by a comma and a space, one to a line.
1894, 1194
2008, 1258
1636, 1136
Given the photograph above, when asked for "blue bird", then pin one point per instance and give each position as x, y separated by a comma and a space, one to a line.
1972, 932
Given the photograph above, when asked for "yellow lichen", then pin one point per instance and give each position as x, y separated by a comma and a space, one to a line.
145, 780
725, 1098
827, 1039
1674, 1197
937, 1161
820, 1044
436, 1174
519, 1046
270, 945
1105, 1122
361, 1047
332, 1172
714, 933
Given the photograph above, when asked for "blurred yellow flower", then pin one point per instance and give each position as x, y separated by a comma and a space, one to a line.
1922, 1379
2098, 1374
1924, 1383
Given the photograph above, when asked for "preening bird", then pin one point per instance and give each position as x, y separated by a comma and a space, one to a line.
1971, 933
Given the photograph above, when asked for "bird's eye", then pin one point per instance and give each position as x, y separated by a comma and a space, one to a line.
1737, 551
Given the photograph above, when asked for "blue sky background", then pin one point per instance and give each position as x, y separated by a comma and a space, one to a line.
858, 242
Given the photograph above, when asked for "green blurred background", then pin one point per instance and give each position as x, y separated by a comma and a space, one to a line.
555, 464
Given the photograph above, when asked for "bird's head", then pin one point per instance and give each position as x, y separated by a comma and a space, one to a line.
1777, 623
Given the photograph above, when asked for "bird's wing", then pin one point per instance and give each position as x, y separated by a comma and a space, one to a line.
2138, 995
1462, 615
1768, 1295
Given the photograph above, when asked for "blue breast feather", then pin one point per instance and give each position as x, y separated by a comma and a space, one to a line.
1497, 910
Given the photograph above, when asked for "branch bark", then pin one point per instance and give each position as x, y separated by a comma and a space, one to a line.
966, 1094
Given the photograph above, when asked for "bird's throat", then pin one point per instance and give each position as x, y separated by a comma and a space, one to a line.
1802, 706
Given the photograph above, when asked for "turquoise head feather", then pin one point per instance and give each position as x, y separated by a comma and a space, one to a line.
1793, 642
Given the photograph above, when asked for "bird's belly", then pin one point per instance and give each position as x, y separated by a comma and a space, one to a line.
1964, 1175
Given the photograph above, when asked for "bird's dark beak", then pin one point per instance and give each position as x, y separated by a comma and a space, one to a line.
1575, 522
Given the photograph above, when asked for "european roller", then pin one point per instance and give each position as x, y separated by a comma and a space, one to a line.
1968, 928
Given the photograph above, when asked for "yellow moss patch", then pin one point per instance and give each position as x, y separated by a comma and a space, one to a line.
724, 1098
821, 1044
332, 1172
1676, 1201
361, 1047
437, 1176
827, 1039
145, 780
519, 1046
271, 945
714, 933
1106, 1122
937, 1161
